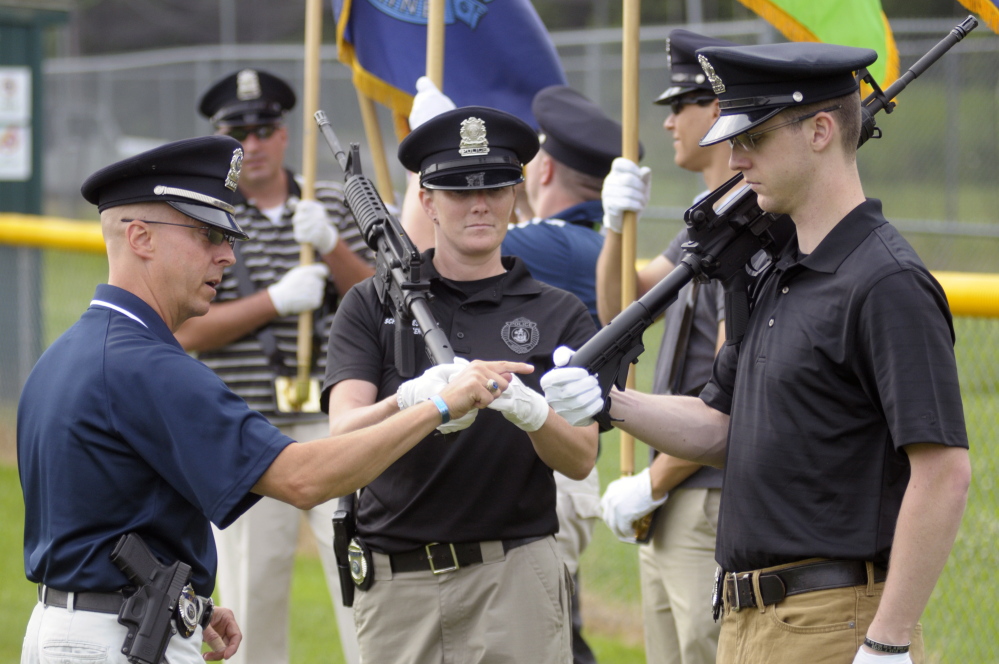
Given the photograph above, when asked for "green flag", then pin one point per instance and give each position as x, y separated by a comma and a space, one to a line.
847, 22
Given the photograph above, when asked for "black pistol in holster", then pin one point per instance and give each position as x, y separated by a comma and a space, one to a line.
160, 591
353, 558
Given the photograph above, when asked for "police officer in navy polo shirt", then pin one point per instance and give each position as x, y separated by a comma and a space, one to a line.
120, 431
838, 418
461, 529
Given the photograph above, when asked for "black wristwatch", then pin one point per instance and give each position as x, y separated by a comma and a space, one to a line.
885, 648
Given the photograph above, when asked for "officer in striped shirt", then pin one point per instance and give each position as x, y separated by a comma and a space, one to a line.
249, 338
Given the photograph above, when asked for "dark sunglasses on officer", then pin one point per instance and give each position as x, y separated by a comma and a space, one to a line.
676, 105
241, 133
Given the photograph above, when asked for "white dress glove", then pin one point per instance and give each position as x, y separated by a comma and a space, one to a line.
627, 500
301, 289
428, 103
430, 383
626, 188
864, 657
572, 392
521, 405
313, 226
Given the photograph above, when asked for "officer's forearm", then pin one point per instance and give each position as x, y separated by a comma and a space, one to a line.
307, 474
226, 322
346, 267
569, 450
666, 472
680, 426
924, 534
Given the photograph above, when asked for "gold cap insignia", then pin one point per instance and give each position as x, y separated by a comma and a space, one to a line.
232, 178
247, 85
473, 138
716, 83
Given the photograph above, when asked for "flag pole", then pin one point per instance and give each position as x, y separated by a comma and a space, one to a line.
435, 43
310, 104
629, 150
373, 132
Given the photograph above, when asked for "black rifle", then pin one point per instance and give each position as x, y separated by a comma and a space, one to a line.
399, 279
722, 244
148, 613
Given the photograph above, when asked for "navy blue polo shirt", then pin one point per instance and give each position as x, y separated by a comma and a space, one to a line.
848, 357
119, 430
562, 251
485, 482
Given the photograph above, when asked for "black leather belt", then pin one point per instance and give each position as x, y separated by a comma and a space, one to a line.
445, 557
776, 585
99, 602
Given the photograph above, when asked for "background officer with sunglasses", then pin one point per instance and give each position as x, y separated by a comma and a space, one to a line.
838, 417
249, 338
678, 562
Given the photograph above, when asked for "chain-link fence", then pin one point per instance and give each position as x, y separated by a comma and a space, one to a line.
935, 169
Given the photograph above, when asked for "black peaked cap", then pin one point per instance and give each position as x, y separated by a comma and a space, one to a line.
754, 83
576, 132
685, 73
197, 176
247, 97
472, 147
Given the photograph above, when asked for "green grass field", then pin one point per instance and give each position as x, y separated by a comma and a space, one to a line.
960, 622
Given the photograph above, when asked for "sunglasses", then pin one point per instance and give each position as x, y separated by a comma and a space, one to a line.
215, 236
676, 105
262, 132
752, 141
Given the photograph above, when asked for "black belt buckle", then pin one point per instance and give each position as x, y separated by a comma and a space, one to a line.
443, 570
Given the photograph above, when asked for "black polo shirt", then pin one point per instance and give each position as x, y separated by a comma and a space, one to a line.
849, 356
483, 483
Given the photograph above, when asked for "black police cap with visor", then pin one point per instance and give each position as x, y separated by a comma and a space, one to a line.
196, 176
755, 83
247, 97
576, 132
685, 72
472, 147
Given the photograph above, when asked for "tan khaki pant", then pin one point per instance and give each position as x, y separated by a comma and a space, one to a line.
509, 608
677, 570
821, 627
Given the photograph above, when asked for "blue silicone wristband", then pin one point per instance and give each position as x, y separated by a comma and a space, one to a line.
442, 407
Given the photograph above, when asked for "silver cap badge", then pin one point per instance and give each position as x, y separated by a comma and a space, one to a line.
247, 85
473, 138
232, 177
716, 82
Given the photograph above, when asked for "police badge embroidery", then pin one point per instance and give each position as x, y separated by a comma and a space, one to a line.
473, 138
716, 83
521, 335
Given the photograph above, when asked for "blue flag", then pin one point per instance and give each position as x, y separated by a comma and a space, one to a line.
497, 53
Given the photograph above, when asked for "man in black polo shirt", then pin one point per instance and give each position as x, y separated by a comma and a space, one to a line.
466, 568
838, 418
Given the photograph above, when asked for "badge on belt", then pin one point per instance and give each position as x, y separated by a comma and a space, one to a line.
361, 565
